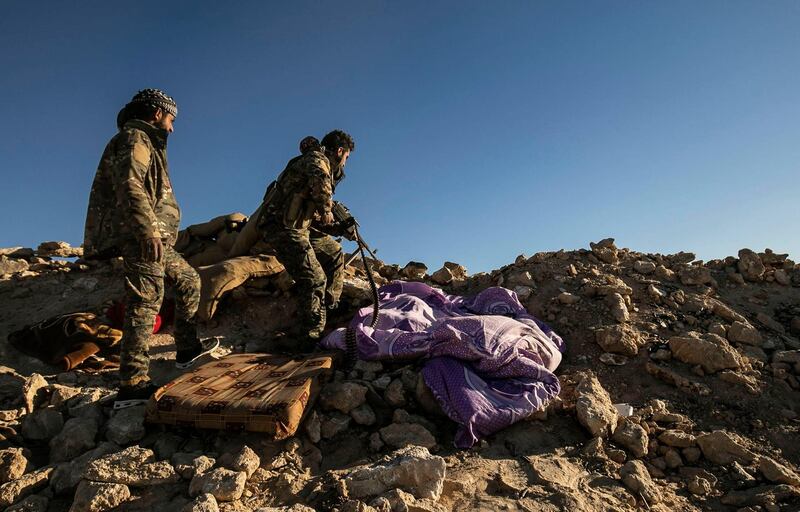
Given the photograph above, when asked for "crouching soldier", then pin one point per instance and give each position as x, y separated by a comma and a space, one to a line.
300, 199
133, 213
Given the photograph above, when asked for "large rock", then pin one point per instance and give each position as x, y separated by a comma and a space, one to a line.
244, 459
342, 396
616, 305
741, 332
30, 483
605, 251
778, 473
762, 495
594, 408
223, 484
76, 438
31, 503
414, 271
750, 265
133, 466
188, 465
677, 438
203, 503
619, 339
632, 436
42, 424
443, 276
13, 464
644, 267
31, 391
98, 496
711, 352
636, 478
12, 265
398, 435
723, 448
68, 475
412, 469
126, 425
59, 249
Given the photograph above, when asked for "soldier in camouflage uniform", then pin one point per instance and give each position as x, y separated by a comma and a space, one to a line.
133, 213
300, 199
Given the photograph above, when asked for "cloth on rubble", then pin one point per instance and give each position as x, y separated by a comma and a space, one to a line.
68, 341
217, 280
488, 362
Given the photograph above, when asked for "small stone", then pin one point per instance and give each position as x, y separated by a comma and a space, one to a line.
243, 460
443, 276
187, 465
750, 265
42, 424
673, 458
616, 455
637, 479
644, 267
723, 448
698, 486
617, 307
334, 424
619, 339
741, 332
568, 298
782, 277
363, 415
375, 442
605, 251
677, 438
414, 271
13, 464
126, 425
691, 454
778, 473
223, 484
394, 394
31, 390
342, 396
203, 503
399, 435
312, 427
98, 497
632, 436
76, 438
594, 448
32, 503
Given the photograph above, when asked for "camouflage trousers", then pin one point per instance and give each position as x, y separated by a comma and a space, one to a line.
316, 263
144, 289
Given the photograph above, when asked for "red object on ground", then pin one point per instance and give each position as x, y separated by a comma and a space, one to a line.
116, 315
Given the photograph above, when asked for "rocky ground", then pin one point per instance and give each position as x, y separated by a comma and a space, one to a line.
705, 353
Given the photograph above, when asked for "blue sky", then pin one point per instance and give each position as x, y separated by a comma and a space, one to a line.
483, 129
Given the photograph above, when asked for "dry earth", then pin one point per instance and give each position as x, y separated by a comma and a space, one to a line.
706, 353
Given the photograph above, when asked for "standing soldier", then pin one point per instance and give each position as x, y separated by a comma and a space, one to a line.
299, 199
133, 213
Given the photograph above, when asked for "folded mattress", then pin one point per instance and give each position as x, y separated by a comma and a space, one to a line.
244, 392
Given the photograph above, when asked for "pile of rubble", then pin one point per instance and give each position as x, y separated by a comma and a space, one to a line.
680, 391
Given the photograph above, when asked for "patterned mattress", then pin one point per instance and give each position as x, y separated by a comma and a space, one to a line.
243, 392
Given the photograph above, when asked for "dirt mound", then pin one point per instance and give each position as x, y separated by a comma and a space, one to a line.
680, 391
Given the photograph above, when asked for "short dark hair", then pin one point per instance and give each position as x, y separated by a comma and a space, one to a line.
136, 111
338, 139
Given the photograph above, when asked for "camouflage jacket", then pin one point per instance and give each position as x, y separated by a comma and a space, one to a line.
131, 197
302, 191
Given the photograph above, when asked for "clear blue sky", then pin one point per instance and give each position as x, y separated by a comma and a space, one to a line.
483, 129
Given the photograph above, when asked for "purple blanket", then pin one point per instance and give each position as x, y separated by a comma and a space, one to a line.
487, 361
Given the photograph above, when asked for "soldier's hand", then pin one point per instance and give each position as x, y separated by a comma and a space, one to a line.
152, 249
327, 219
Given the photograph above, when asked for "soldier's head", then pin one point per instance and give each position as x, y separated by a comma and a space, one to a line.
152, 106
338, 146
